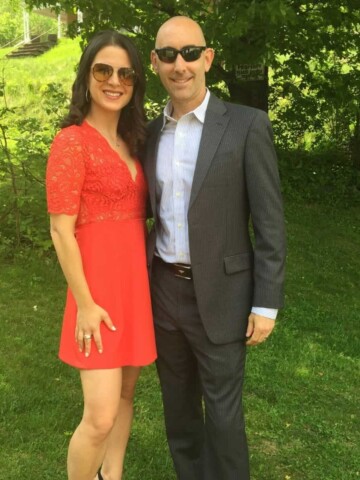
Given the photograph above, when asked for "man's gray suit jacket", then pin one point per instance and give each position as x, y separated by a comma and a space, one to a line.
236, 179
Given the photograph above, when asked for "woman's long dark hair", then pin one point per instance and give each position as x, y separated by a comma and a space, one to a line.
132, 124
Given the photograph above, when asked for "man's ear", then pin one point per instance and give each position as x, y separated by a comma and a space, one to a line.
154, 60
209, 57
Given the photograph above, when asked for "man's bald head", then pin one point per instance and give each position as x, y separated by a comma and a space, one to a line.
182, 25
182, 75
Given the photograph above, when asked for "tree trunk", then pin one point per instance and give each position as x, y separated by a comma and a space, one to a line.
253, 93
10, 169
355, 143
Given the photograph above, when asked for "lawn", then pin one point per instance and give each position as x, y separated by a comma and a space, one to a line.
26, 78
302, 386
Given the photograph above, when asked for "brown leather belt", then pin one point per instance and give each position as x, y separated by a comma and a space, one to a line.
180, 270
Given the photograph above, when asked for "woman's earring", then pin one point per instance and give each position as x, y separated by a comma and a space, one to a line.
87, 95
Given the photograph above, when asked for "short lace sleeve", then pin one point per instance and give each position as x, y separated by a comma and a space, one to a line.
65, 172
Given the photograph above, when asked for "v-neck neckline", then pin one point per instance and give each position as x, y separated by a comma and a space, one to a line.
116, 153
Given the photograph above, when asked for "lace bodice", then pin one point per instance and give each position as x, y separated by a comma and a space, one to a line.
85, 176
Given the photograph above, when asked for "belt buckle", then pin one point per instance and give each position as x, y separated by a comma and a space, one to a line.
182, 271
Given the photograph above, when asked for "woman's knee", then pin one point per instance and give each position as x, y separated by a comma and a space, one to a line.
98, 426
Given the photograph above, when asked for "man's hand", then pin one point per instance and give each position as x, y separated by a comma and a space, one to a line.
259, 328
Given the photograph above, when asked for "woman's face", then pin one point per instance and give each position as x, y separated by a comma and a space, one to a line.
113, 93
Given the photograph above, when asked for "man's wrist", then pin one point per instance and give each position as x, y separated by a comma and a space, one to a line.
265, 312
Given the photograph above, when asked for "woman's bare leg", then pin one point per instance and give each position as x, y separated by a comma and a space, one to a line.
102, 390
113, 463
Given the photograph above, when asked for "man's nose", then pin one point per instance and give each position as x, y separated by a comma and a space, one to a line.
180, 63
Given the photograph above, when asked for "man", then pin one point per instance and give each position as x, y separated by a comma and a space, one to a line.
211, 167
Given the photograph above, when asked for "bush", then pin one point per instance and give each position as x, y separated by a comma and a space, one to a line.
24, 147
325, 176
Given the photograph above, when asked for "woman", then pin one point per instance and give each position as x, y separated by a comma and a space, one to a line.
96, 199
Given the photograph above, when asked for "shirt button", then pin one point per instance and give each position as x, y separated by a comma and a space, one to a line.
178, 194
179, 225
177, 163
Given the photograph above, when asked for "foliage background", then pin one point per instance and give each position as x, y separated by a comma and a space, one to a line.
311, 48
11, 23
312, 56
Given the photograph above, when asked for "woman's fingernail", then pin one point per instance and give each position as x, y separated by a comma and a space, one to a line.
86, 354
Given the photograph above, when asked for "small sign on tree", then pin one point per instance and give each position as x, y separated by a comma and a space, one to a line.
249, 72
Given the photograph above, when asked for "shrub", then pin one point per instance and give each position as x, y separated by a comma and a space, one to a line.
24, 146
322, 176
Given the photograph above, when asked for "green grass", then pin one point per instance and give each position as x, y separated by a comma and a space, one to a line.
26, 78
301, 391
303, 385
4, 51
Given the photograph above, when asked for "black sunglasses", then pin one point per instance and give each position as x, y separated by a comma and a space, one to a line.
169, 54
102, 72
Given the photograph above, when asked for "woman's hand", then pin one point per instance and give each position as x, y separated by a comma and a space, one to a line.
89, 315
88, 325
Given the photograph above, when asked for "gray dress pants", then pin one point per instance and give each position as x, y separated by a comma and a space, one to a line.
201, 385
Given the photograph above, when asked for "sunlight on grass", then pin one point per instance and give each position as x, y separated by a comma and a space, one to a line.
302, 372
26, 78
4, 51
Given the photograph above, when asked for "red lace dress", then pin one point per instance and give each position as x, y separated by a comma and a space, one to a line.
85, 176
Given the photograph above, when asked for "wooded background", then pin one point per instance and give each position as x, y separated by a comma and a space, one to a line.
297, 59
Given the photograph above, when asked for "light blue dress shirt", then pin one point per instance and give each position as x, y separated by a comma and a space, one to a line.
176, 159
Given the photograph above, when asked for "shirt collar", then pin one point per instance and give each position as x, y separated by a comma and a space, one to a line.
199, 111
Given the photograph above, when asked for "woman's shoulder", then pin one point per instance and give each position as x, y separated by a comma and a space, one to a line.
71, 134
69, 140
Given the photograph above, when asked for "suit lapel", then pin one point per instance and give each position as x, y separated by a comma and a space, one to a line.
213, 130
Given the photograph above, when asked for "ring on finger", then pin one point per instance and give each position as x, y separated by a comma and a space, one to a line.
87, 336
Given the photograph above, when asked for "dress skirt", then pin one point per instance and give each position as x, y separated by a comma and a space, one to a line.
114, 263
